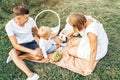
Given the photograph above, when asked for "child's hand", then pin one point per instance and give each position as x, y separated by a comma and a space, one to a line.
46, 59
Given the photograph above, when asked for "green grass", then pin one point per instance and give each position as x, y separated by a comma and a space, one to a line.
106, 11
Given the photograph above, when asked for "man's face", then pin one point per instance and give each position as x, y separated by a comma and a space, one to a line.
24, 18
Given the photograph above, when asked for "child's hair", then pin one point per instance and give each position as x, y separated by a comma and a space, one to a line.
20, 10
45, 31
77, 20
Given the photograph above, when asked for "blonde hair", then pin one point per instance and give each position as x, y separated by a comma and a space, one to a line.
45, 31
20, 10
77, 20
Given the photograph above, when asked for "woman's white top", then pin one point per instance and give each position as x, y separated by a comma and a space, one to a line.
45, 45
23, 34
102, 41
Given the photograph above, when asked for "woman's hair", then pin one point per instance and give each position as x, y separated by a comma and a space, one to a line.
77, 20
20, 10
45, 31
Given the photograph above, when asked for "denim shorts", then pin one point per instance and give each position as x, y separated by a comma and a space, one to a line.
52, 48
31, 45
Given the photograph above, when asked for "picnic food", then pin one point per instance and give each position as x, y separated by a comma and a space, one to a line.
56, 56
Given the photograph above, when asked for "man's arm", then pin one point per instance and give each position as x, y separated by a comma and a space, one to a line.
35, 31
36, 34
19, 47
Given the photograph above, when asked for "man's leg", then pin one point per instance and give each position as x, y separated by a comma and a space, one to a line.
33, 57
14, 54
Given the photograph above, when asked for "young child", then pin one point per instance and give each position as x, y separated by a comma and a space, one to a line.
45, 43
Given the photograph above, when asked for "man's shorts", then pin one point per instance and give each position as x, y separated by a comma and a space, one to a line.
31, 45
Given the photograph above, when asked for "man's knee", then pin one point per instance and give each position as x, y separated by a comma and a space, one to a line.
13, 53
39, 58
40, 54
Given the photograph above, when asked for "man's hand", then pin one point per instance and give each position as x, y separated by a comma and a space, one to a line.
35, 53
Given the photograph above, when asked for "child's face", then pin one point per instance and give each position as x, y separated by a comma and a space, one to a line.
44, 32
50, 33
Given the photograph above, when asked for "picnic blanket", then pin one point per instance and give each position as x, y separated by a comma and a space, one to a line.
71, 63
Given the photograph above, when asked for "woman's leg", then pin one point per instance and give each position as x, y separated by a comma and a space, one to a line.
73, 51
73, 42
14, 54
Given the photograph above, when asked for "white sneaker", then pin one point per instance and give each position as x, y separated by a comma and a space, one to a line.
8, 59
34, 77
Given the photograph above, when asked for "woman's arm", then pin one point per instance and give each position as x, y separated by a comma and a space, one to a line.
19, 47
93, 49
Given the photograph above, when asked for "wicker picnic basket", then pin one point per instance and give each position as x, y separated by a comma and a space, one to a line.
55, 29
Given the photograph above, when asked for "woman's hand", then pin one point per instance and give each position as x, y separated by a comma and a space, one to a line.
86, 72
70, 35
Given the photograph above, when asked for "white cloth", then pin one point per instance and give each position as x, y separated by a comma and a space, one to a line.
68, 28
66, 31
45, 45
102, 45
23, 34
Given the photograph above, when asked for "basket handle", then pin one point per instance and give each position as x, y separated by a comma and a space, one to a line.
48, 11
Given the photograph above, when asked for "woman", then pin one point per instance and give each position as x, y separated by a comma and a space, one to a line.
19, 31
93, 45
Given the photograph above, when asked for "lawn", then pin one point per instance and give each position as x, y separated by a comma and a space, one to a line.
106, 11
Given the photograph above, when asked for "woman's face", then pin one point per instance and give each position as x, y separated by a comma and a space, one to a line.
24, 18
76, 30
